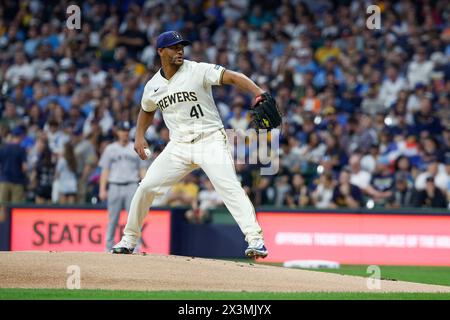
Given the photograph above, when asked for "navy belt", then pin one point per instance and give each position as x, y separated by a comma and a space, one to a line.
123, 183
204, 135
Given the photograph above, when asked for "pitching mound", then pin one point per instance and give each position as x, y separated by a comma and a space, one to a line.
158, 272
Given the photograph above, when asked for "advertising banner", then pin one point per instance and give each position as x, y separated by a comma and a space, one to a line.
384, 239
55, 229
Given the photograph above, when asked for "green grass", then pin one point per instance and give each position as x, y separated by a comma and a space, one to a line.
64, 294
420, 274
430, 275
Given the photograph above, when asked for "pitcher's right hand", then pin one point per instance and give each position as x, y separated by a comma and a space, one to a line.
139, 144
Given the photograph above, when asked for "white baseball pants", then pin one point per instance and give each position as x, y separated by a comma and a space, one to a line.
212, 154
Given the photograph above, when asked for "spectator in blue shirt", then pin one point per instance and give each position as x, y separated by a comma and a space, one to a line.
13, 165
331, 67
346, 194
425, 120
382, 181
305, 62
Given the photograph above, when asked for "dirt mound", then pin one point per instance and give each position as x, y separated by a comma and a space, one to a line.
158, 272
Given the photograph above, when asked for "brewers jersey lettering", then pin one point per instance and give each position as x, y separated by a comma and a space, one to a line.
186, 100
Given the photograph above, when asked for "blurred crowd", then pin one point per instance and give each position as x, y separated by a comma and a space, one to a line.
366, 111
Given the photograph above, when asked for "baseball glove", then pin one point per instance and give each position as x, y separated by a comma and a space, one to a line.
265, 113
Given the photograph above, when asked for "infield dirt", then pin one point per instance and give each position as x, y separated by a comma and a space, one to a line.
153, 272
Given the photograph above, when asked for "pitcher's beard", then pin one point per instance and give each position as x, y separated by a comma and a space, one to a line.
177, 61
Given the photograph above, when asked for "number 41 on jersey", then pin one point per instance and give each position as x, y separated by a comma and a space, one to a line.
196, 111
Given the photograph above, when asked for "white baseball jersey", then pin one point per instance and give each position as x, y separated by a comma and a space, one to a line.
186, 100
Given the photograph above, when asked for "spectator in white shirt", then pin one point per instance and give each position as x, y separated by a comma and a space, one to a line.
372, 102
100, 116
43, 61
362, 178
442, 179
56, 137
239, 119
314, 149
413, 103
323, 195
20, 69
391, 86
437, 171
359, 177
97, 76
420, 69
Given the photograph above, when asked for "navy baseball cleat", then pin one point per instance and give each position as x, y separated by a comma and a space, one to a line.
123, 247
256, 249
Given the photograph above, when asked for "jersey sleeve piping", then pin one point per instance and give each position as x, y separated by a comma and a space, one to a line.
221, 76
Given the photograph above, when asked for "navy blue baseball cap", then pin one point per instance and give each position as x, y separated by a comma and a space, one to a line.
124, 125
18, 131
170, 38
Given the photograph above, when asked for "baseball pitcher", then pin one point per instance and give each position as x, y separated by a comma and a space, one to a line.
182, 91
